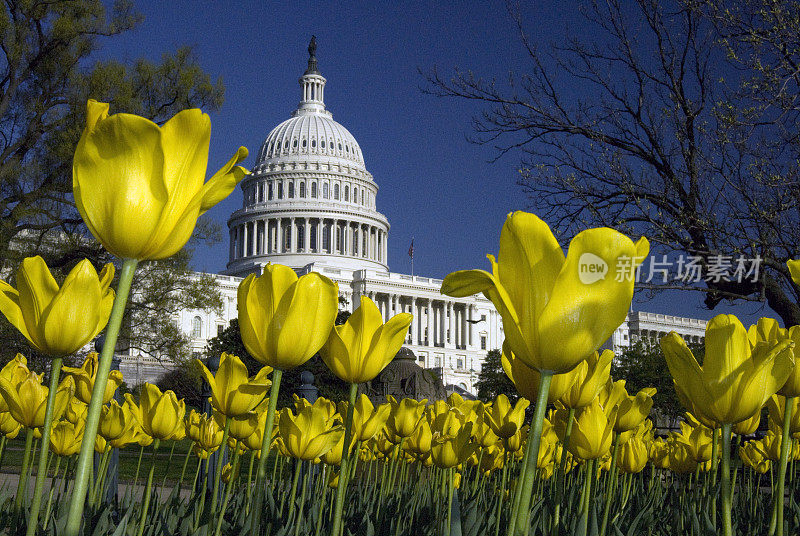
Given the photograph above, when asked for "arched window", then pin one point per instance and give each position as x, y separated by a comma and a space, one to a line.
322, 144
269, 193
362, 197
346, 193
291, 190
280, 190
304, 143
302, 189
313, 143
314, 190
354, 241
325, 190
336, 192
294, 143
326, 238
197, 327
261, 193
301, 236
355, 194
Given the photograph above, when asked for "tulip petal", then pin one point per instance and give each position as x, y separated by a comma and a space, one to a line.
794, 270
37, 288
385, 344
222, 183
581, 316
11, 309
117, 179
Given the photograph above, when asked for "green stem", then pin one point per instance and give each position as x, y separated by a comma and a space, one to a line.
2, 449
266, 441
302, 501
83, 468
297, 467
612, 485
218, 468
148, 488
450, 478
725, 477
501, 499
50, 496
336, 528
41, 473
22, 486
249, 493
591, 472
786, 444
228, 489
562, 468
714, 454
185, 463
525, 481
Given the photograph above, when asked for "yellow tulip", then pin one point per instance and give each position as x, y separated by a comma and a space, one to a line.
113, 422
322, 405
504, 419
483, 433
449, 451
9, 427
228, 473
100, 444
679, 459
65, 438
697, 438
405, 416
514, 443
233, 394
633, 410
84, 379
526, 379
493, 459
632, 456
659, 452
419, 443
736, 379
358, 350
76, 411
242, 426
590, 378
58, 321
15, 371
367, 419
207, 434
140, 187
284, 320
749, 426
308, 435
776, 406
160, 414
27, 400
768, 330
592, 432
555, 313
753, 455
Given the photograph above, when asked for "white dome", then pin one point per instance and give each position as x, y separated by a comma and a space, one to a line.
308, 135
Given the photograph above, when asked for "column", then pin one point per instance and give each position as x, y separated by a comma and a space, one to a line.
231, 238
319, 235
471, 325
415, 323
244, 241
450, 335
429, 313
306, 235
278, 235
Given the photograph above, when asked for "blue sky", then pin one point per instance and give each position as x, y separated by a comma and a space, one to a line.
434, 185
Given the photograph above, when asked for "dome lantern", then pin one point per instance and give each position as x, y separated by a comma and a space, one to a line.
312, 83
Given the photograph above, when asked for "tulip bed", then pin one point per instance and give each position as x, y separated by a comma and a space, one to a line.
585, 460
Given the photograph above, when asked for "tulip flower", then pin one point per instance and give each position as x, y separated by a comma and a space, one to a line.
736, 379
592, 432
405, 416
451, 451
27, 400
749, 426
358, 350
241, 426
753, 455
65, 438
679, 458
84, 379
58, 321
308, 435
368, 420
633, 410
140, 187
204, 431
160, 414
15, 372
419, 443
113, 421
233, 394
504, 419
776, 406
284, 319
591, 376
632, 456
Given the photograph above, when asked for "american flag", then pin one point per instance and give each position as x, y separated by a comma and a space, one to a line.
411, 249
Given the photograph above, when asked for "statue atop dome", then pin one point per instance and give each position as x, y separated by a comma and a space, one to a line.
312, 56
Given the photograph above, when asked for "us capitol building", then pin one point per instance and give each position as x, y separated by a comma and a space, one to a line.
310, 203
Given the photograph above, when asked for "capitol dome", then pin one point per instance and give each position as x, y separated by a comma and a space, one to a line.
309, 199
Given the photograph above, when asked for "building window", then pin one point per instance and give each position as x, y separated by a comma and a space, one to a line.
301, 237
280, 190
304, 144
355, 242
483, 318
294, 144
287, 238
197, 327
336, 192
355, 194
302, 189
269, 191
326, 238
261, 193
312, 239
314, 143
362, 197
346, 193
314, 190
325, 193
291, 190
438, 361
459, 364
483, 342
220, 329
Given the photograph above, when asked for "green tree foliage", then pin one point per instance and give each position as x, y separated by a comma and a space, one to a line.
48, 71
492, 380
